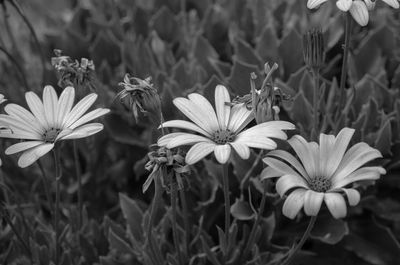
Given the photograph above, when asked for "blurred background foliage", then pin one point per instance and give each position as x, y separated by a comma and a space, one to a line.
191, 46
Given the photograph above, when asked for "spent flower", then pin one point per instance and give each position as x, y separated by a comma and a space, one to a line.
313, 49
221, 129
48, 121
141, 95
323, 173
165, 163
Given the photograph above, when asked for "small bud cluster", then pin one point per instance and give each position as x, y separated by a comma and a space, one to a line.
141, 96
72, 73
166, 164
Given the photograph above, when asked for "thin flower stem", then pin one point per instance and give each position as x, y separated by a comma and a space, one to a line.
227, 201
346, 50
8, 28
315, 73
57, 206
250, 171
174, 219
17, 234
185, 221
79, 179
46, 187
35, 38
302, 240
252, 235
18, 66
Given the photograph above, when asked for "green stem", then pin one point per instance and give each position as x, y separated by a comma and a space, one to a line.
252, 235
15, 230
35, 38
315, 73
18, 66
185, 221
225, 180
57, 206
302, 240
250, 171
79, 179
174, 219
345, 59
46, 187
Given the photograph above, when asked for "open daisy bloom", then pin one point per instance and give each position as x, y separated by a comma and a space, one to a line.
220, 130
357, 8
322, 174
47, 122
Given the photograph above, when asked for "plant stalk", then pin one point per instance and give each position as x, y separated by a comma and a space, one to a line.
174, 219
46, 188
185, 221
302, 240
225, 180
57, 205
79, 179
315, 73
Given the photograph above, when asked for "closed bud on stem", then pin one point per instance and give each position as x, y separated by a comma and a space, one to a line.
313, 49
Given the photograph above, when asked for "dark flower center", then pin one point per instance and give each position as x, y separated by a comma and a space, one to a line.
50, 135
320, 184
223, 136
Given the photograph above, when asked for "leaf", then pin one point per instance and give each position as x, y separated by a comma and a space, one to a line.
329, 230
118, 243
222, 240
210, 255
241, 210
291, 53
239, 79
301, 112
384, 138
105, 47
203, 52
87, 249
133, 215
267, 45
166, 24
121, 132
245, 53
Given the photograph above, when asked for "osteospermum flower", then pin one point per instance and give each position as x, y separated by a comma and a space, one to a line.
324, 172
47, 122
357, 8
220, 130
2, 100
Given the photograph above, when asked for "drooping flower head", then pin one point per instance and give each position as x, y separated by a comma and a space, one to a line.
357, 8
48, 121
141, 95
221, 129
324, 173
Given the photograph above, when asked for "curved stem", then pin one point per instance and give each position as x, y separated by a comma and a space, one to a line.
35, 38
315, 73
250, 171
343, 73
57, 206
79, 179
225, 179
302, 240
174, 214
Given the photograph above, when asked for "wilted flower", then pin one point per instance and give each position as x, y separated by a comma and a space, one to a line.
313, 49
322, 174
357, 8
73, 73
141, 94
47, 122
162, 163
221, 129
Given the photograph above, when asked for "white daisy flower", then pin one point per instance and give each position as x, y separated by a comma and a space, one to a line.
47, 122
357, 8
322, 174
220, 129
2, 99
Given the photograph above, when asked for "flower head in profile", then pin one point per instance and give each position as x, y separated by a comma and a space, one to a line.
2, 100
48, 121
221, 129
324, 172
357, 8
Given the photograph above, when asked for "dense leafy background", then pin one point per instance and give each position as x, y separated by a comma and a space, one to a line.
186, 49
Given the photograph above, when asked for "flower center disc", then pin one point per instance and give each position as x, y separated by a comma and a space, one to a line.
223, 136
50, 135
320, 184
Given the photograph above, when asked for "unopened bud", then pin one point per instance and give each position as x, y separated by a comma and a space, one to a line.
313, 49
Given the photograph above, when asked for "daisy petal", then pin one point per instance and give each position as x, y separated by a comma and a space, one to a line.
240, 116
181, 124
293, 203
341, 142
22, 146
198, 152
222, 153
280, 166
17, 127
36, 107
311, 4
288, 182
360, 13
83, 131
261, 142
186, 139
336, 204
206, 109
50, 102
269, 172
326, 145
164, 140
79, 109
312, 202
344, 5
242, 149
89, 117
304, 151
291, 161
392, 3
353, 196
30, 156
65, 103
24, 116
223, 110
364, 173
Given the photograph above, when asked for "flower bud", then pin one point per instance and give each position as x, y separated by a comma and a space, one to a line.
370, 4
313, 49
